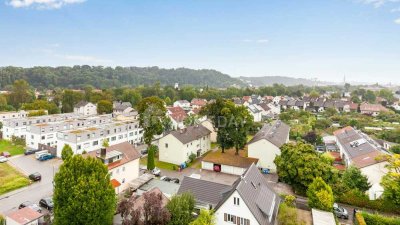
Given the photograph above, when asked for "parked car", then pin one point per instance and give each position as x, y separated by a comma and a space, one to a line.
30, 151
175, 180
3, 159
144, 152
46, 203
45, 157
165, 178
6, 154
30, 205
35, 176
156, 172
340, 212
39, 153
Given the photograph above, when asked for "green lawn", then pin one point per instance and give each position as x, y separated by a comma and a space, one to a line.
11, 179
159, 164
7, 146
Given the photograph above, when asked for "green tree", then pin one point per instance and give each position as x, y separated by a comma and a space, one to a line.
152, 113
83, 193
206, 217
51, 107
320, 195
3, 103
299, 164
395, 149
354, 179
391, 181
314, 94
369, 96
190, 120
150, 157
105, 143
132, 96
181, 208
104, 107
21, 93
66, 152
70, 99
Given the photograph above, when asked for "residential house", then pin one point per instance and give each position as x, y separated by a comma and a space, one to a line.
24, 216
265, 145
208, 124
124, 108
177, 115
85, 108
250, 201
357, 149
372, 109
139, 202
183, 104
178, 145
197, 103
122, 161
13, 115
206, 193
256, 111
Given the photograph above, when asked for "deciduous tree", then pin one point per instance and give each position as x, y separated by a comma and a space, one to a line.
206, 217
181, 208
104, 106
391, 181
320, 195
66, 152
354, 179
83, 193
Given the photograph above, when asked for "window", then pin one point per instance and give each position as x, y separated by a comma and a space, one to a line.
236, 201
123, 169
236, 219
95, 143
166, 145
78, 147
43, 137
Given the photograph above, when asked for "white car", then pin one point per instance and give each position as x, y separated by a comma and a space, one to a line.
3, 159
156, 172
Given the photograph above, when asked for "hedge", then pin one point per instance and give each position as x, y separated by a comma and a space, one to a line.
358, 199
375, 219
359, 219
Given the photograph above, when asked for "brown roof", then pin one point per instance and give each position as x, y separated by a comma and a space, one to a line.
176, 109
229, 158
190, 133
129, 154
199, 102
367, 159
24, 215
139, 202
177, 113
373, 107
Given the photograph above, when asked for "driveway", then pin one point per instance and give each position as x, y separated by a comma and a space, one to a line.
35, 191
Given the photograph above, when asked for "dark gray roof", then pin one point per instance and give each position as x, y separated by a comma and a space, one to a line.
319, 103
276, 133
261, 200
190, 133
204, 191
350, 135
300, 103
81, 103
283, 102
291, 102
121, 106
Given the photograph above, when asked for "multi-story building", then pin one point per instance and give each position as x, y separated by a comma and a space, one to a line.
17, 127
46, 133
13, 115
91, 138
85, 108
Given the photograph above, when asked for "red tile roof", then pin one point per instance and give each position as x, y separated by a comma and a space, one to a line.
115, 183
373, 107
344, 129
199, 102
177, 113
24, 215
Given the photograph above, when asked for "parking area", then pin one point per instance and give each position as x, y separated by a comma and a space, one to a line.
34, 192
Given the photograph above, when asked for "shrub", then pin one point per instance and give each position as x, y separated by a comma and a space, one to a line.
379, 219
192, 157
359, 219
2, 220
287, 215
290, 200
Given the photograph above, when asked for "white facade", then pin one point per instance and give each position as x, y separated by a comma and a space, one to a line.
173, 151
13, 115
125, 174
229, 209
374, 173
87, 110
182, 103
228, 169
92, 138
265, 152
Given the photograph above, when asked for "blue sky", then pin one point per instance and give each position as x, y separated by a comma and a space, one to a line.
324, 39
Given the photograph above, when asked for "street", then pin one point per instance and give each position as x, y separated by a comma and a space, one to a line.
34, 192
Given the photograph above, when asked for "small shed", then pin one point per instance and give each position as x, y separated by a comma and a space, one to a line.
323, 217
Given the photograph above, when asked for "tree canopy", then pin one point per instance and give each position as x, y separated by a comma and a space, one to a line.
320, 195
181, 208
83, 193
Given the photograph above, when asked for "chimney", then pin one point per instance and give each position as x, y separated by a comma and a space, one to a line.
103, 152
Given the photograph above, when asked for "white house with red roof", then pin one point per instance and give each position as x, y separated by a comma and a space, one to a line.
24, 216
197, 103
372, 109
122, 161
177, 115
183, 104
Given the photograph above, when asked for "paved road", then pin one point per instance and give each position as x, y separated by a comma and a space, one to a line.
37, 190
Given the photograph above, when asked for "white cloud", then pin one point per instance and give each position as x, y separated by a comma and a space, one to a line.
42, 4
397, 21
378, 3
83, 58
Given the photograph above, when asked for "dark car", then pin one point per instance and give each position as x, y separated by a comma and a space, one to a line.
30, 205
175, 180
46, 203
30, 151
45, 157
165, 178
35, 176
6, 154
144, 152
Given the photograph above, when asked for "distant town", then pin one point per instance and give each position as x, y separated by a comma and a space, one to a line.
198, 155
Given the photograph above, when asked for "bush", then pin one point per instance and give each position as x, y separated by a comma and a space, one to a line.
379, 219
18, 141
2, 220
359, 199
359, 219
192, 157
288, 215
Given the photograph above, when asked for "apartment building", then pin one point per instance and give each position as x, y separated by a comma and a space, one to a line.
91, 138
46, 133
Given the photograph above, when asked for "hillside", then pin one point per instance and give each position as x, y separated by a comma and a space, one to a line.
287, 81
105, 77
